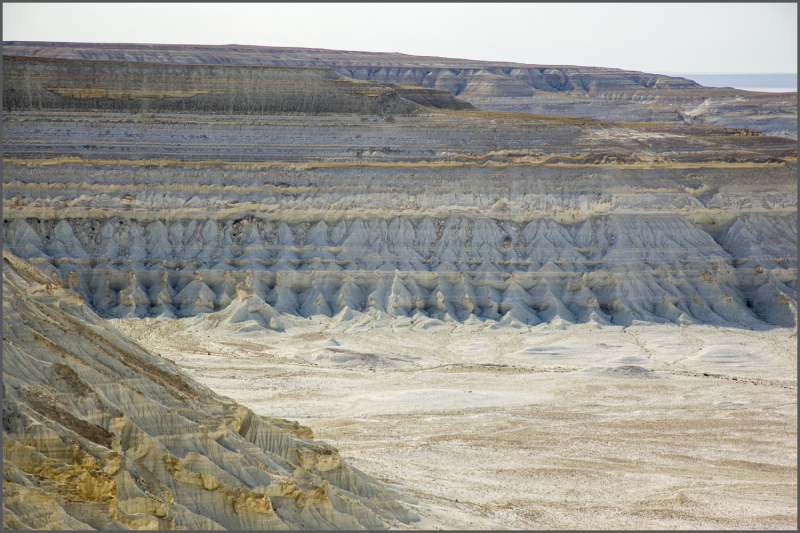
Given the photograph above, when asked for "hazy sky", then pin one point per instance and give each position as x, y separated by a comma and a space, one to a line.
660, 38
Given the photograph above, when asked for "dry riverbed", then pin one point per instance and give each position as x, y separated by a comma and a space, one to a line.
644, 427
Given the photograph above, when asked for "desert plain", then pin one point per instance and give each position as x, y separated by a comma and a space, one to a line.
639, 427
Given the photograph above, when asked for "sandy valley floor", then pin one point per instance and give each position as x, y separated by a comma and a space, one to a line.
550, 427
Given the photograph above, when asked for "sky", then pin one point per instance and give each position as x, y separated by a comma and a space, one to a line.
656, 38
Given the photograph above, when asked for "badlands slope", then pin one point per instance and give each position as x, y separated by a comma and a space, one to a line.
603, 93
100, 433
323, 236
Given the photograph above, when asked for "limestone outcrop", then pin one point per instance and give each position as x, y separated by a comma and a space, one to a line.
602, 93
100, 433
615, 267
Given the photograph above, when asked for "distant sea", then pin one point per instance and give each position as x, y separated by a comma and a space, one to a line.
773, 83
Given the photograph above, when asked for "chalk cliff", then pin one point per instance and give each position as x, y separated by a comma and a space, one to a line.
320, 193
247, 189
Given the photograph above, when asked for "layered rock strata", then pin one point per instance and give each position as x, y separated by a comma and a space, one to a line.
420, 210
613, 268
99, 433
35, 84
602, 93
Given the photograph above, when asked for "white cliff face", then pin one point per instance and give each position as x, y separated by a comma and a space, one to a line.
617, 268
435, 213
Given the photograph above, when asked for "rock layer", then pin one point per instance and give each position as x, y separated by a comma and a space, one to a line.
245, 197
617, 267
99, 433
159, 208
58, 85
602, 93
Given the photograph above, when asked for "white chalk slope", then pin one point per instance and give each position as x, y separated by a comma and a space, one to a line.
607, 269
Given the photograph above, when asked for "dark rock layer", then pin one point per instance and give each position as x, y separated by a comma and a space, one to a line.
602, 93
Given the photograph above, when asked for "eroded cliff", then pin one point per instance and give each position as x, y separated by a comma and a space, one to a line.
145, 182
432, 213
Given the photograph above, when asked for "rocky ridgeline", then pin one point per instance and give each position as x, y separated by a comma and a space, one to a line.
457, 76
602, 93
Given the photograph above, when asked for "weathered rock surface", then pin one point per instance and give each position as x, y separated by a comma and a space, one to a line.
603, 93
617, 267
434, 213
100, 433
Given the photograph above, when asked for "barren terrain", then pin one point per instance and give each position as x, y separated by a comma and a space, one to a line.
515, 320
640, 427
603, 93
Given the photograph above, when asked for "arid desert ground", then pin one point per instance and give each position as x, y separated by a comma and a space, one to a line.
577, 426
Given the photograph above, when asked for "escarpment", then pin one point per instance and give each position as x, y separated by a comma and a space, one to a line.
99, 433
134, 87
227, 209
243, 216
613, 268
606, 94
